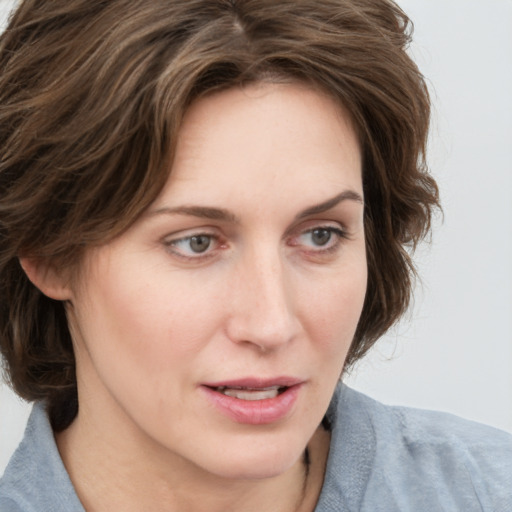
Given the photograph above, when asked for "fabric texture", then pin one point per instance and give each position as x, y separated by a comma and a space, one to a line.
381, 458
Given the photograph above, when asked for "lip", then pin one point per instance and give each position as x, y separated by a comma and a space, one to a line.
255, 382
254, 412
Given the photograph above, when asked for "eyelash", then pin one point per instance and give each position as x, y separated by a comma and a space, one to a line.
338, 232
170, 244
331, 246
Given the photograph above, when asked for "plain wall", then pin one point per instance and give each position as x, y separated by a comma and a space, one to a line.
454, 350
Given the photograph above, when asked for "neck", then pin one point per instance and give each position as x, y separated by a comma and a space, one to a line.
121, 472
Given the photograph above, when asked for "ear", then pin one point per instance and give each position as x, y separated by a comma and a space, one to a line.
44, 276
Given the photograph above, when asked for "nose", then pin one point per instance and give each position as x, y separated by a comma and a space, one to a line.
262, 312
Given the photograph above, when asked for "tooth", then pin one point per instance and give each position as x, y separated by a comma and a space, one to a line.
243, 394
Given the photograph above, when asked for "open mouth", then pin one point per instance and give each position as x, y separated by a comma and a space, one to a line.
254, 401
246, 393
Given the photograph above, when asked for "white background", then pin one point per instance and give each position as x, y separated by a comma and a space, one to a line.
454, 350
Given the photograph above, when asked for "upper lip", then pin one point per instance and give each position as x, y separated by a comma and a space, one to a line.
256, 382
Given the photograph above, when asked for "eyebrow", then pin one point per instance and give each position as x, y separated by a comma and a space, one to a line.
213, 213
203, 212
347, 195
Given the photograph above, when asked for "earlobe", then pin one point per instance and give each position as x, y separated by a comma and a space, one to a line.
45, 277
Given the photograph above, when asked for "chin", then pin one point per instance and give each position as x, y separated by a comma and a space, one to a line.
257, 471
257, 464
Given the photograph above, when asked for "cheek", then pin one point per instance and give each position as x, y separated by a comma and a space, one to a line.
144, 316
137, 338
335, 308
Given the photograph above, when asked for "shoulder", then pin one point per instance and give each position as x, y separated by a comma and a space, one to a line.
8, 505
418, 427
16, 478
35, 479
419, 460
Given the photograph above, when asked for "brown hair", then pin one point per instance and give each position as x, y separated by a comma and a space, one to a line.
92, 94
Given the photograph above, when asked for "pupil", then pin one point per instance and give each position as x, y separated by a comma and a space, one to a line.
321, 236
200, 243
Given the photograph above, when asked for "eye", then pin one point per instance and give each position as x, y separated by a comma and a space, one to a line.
320, 238
193, 246
199, 243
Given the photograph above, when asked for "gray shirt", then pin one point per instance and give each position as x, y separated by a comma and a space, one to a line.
381, 458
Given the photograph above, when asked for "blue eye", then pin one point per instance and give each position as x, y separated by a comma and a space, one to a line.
322, 238
200, 243
192, 245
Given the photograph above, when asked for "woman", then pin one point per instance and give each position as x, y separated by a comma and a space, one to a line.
206, 213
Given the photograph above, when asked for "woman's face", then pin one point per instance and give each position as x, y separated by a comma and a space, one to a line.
215, 329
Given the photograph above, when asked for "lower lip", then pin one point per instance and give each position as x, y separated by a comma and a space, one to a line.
254, 412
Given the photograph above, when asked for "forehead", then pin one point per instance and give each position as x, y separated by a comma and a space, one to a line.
264, 139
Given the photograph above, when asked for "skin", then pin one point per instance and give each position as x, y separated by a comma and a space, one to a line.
152, 318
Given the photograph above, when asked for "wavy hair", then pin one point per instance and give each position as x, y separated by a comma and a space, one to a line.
92, 94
